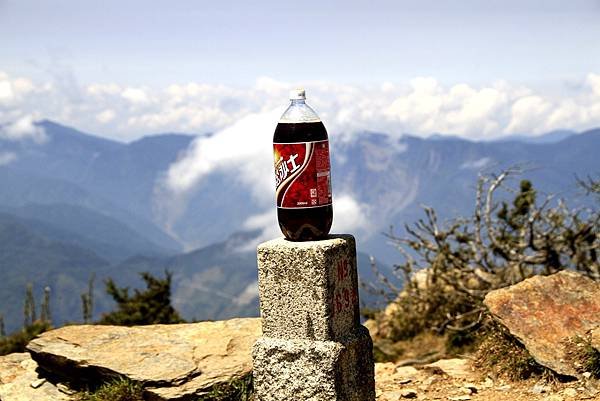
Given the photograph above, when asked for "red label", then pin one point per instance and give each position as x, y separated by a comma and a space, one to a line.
302, 176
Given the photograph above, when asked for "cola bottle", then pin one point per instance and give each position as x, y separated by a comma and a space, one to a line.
302, 172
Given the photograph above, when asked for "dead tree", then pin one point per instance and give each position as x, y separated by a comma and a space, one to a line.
449, 268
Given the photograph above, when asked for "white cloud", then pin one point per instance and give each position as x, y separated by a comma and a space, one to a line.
593, 80
349, 215
476, 164
528, 114
249, 294
106, 116
421, 106
13, 90
23, 129
7, 158
244, 148
135, 95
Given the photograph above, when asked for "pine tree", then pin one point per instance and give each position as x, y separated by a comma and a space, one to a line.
29, 315
87, 300
152, 306
45, 315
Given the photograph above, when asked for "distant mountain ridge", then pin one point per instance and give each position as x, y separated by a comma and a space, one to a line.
92, 199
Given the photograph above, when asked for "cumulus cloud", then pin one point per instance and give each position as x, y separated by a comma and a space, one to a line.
13, 90
23, 129
106, 116
350, 215
136, 95
421, 106
244, 148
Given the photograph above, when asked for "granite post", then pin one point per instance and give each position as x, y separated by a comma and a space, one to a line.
313, 347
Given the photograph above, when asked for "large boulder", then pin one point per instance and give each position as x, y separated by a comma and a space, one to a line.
172, 361
546, 313
20, 381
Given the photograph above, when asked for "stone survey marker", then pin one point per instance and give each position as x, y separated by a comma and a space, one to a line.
313, 346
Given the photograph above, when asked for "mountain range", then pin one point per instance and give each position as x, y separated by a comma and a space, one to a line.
76, 205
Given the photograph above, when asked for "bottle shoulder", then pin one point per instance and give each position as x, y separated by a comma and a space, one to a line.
299, 112
300, 132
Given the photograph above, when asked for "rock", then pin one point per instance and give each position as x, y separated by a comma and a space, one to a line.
539, 388
570, 392
469, 388
408, 393
63, 388
19, 381
488, 383
406, 371
388, 377
173, 361
546, 312
455, 368
37, 383
460, 398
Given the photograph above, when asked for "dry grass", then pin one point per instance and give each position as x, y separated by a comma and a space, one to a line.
583, 356
501, 355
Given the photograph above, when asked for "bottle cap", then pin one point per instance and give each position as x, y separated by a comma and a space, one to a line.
298, 94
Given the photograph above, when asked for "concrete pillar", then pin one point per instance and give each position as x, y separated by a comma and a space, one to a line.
313, 346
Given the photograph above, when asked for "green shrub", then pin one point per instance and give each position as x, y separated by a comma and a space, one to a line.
236, 390
116, 390
16, 342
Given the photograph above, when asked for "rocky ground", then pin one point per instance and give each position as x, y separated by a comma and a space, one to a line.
176, 362
455, 379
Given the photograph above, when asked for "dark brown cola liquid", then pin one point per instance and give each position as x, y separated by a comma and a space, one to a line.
309, 223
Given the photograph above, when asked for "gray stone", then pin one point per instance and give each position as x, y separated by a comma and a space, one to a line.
308, 370
174, 362
20, 381
308, 290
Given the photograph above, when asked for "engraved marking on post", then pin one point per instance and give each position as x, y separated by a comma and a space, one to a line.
344, 295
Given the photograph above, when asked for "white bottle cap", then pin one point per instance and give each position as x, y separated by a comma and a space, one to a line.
298, 94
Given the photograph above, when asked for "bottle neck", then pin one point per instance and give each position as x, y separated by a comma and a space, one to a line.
297, 102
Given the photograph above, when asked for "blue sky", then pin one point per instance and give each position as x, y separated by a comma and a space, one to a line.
234, 42
477, 69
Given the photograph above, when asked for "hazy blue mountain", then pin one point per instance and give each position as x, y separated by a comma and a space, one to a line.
83, 227
107, 177
550, 137
218, 281
94, 200
29, 256
397, 176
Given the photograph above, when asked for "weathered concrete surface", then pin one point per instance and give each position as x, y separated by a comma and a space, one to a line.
308, 290
545, 312
174, 361
308, 370
19, 381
